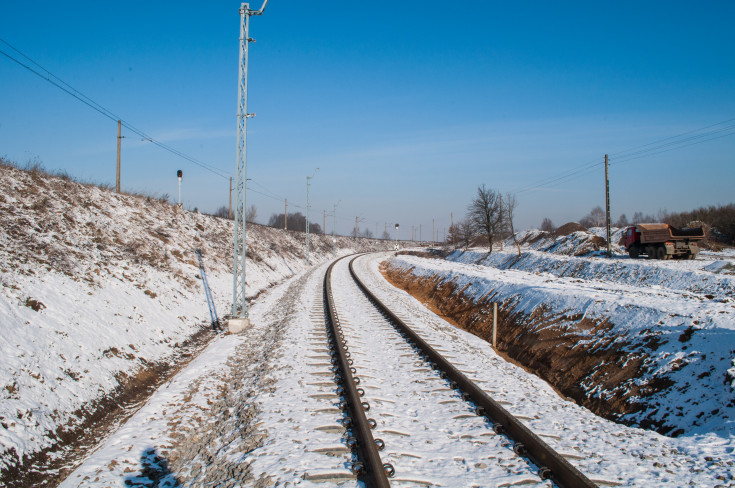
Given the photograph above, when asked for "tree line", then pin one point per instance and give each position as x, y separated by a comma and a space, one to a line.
296, 221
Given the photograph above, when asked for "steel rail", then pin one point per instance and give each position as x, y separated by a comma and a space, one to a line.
373, 474
551, 464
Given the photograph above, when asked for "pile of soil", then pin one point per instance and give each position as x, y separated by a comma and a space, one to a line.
568, 229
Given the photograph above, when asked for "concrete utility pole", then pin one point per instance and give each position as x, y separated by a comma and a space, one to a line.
334, 224
285, 216
239, 304
119, 138
607, 208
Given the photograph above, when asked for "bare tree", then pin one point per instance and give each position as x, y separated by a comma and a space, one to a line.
467, 232
510, 207
485, 215
454, 235
547, 225
622, 221
296, 222
366, 233
251, 214
223, 211
385, 235
596, 218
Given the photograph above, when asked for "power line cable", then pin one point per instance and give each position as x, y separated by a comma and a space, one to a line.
67, 88
625, 151
659, 146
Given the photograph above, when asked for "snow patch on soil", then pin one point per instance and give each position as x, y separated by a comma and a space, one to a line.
95, 287
681, 314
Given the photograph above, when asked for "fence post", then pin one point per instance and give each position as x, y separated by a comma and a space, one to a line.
495, 324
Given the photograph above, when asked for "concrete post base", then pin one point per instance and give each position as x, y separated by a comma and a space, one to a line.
236, 325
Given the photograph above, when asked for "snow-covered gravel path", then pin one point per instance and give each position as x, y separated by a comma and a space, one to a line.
259, 409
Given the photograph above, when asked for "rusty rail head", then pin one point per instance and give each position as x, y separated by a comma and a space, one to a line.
551, 464
373, 474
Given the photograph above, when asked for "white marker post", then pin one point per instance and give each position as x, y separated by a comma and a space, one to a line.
495, 324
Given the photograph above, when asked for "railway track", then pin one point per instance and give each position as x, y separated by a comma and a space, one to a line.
411, 415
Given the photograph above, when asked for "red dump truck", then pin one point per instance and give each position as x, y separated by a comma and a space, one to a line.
662, 241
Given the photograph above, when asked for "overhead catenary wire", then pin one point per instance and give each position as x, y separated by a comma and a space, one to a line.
70, 90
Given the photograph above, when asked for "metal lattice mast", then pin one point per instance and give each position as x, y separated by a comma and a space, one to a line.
239, 305
308, 206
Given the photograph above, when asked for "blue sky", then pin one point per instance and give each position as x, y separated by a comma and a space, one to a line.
405, 106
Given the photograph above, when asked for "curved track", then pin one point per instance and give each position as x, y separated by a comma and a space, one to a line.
438, 424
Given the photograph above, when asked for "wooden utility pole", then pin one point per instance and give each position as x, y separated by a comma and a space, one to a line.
229, 214
119, 138
285, 216
607, 208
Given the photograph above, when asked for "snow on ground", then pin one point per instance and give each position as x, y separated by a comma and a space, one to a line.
96, 287
688, 306
601, 449
283, 383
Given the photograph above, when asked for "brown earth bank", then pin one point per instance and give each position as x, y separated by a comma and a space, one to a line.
555, 346
71, 444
